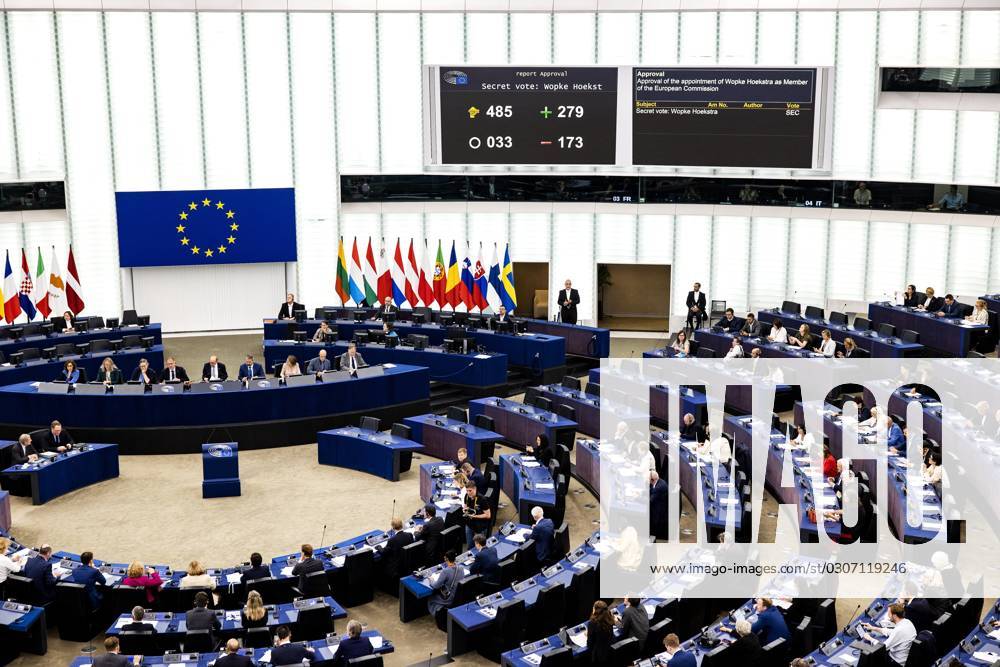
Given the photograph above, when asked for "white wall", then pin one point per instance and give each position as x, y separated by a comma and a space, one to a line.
171, 100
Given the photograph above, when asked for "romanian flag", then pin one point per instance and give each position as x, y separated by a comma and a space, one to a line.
342, 286
453, 288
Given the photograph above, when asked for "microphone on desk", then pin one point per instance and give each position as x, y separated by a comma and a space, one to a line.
391, 516
851, 619
322, 539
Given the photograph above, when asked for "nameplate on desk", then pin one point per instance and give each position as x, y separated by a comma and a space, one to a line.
53, 388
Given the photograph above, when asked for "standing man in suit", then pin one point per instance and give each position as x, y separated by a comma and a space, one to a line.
657, 505
137, 624
543, 532
430, 533
474, 475
351, 361
250, 370
232, 657
174, 373
201, 617
319, 364
113, 657
445, 586
39, 570
23, 451
288, 308
306, 566
213, 371
678, 657
568, 300
91, 578
485, 562
57, 439
392, 553
696, 307
287, 653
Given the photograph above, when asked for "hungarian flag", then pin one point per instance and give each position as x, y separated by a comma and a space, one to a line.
356, 284
12, 305
342, 286
27, 288
440, 280
412, 277
424, 288
74, 293
41, 292
385, 277
370, 270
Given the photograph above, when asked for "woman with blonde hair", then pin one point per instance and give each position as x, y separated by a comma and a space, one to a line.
254, 614
109, 373
141, 577
7, 564
290, 367
196, 577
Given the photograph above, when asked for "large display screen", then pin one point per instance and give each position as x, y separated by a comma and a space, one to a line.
524, 115
724, 117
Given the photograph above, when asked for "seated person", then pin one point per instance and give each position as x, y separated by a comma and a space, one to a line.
254, 614
323, 331
39, 570
174, 373
200, 617
109, 373
950, 308
681, 344
231, 656
803, 439
144, 374
634, 621
485, 561
140, 577
718, 448
932, 470
23, 451
354, 645
912, 299
829, 463
213, 371
461, 456
69, 373
751, 327
933, 303
287, 653
729, 323
306, 565
351, 360
113, 657
290, 368
895, 439
850, 349
91, 578
899, 638
288, 308
827, 346
862, 195
387, 308
541, 450
197, 577
735, 349
953, 200
137, 624
678, 656
746, 649
501, 316
392, 552
430, 533
770, 623
778, 333
249, 369
979, 313
65, 325
803, 339
445, 585
388, 331
57, 439
257, 569
690, 430
319, 364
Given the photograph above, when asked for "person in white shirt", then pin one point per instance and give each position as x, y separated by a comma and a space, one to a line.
736, 350
900, 637
8, 564
803, 439
979, 314
778, 333
827, 346
681, 345
718, 449
932, 470
873, 420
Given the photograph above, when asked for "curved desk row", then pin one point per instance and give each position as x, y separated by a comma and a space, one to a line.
42, 370
52, 477
263, 415
381, 454
582, 341
871, 341
482, 373
75, 338
442, 437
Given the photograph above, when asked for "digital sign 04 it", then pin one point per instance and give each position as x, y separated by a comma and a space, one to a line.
524, 115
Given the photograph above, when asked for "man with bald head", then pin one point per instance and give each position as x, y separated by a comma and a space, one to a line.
232, 657
214, 371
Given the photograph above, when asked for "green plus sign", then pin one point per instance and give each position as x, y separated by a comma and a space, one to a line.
546, 112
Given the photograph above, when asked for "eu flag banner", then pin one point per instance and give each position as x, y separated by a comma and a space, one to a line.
185, 227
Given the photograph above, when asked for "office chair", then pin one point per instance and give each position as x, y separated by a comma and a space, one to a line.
371, 423
314, 622
457, 413
560, 657
78, 621
255, 638
130, 318
594, 389
580, 595
373, 660
791, 307
838, 318
355, 583
547, 613
862, 323
543, 403
507, 631
141, 643
275, 591
132, 340
30, 353
909, 336
887, 330
317, 584
530, 394
625, 651
401, 431
198, 641
814, 312
705, 353
567, 411
122, 599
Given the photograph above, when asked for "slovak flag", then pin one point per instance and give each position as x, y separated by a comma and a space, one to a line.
480, 284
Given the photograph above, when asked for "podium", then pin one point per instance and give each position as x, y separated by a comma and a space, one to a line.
220, 470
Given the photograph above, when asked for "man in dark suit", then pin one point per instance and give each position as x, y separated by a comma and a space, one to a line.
475, 475
201, 617
306, 566
501, 316
657, 506
387, 309
543, 532
288, 308
137, 624
57, 439
751, 327
112, 658
678, 657
568, 300
250, 370
213, 370
729, 322
690, 430
696, 307
430, 533
445, 586
287, 653
353, 645
319, 364
174, 373
392, 553
144, 373
232, 657
23, 451
351, 360
257, 569
39, 570
951, 308
90, 577
485, 561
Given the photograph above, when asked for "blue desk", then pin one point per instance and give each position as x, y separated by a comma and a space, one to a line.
4, 511
587, 407
22, 628
443, 437
67, 472
482, 372
870, 341
264, 415
468, 622
539, 352
527, 483
977, 640
587, 468
720, 343
7, 346
581, 341
520, 424
376, 453
845, 647
324, 653
40, 370
942, 334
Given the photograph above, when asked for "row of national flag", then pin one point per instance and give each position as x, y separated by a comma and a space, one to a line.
41, 291
415, 278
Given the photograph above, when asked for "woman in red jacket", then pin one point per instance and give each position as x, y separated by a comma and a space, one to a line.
142, 577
